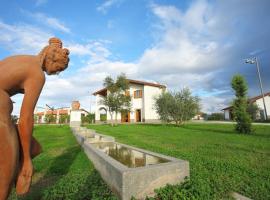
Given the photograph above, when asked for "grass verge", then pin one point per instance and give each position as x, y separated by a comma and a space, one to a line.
63, 171
221, 160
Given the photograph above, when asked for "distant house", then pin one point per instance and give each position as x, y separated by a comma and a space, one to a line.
256, 100
142, 102
40, 113
198, 116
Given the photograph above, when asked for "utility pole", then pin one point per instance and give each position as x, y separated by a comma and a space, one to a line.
255, 61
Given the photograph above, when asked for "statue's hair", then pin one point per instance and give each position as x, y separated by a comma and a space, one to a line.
53, 54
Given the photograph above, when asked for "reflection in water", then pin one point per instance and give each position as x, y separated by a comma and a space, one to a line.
129, 157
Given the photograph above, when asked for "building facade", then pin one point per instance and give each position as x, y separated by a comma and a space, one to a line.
255, 100
142, 103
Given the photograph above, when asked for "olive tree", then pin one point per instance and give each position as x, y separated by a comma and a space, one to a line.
177, 107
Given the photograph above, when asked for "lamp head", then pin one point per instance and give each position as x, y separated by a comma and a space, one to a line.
250, 61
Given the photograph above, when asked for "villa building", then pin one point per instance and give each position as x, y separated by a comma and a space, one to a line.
142, 102
255, 100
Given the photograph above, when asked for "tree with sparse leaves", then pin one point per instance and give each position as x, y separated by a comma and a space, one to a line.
240, 105
177, 107
116, 99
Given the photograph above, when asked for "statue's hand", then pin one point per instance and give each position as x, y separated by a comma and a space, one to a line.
24, 177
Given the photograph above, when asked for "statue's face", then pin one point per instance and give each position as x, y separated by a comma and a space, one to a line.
56, 60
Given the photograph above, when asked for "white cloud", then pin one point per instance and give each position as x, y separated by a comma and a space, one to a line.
41, 2
214, 103
107, 5
194, 48
189, 52
51, 22
23, 38
61, 90
184, 45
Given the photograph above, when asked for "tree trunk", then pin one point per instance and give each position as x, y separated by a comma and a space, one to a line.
111, 114
116, 118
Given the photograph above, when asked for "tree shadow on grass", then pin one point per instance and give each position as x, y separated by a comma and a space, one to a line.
59, 167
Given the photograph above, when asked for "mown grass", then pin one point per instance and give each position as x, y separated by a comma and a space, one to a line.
63, 171
221, 161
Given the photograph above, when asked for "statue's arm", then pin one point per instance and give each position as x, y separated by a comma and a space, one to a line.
32, 89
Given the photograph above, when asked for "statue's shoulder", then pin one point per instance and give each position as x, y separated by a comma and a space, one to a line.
19, 58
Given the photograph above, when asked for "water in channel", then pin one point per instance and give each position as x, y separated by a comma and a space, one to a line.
129, 157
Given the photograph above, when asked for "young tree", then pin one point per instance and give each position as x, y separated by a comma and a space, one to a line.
240, 106
116, 100
178, 107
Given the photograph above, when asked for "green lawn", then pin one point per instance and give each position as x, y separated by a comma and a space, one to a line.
63, 171
221, 160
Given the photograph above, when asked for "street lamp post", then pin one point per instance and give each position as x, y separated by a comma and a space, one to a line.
255, 61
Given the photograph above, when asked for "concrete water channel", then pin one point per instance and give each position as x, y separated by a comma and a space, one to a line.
130, 171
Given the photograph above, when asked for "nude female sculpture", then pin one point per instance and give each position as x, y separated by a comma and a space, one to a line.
23, 74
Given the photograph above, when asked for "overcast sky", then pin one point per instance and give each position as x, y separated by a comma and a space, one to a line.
197, 44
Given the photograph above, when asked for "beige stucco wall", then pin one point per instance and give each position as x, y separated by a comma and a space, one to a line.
149, 93
259, 102
227, 114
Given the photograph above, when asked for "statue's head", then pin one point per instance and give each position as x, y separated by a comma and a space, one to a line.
54, 58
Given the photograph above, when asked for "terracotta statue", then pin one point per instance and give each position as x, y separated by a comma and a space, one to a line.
23, 74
